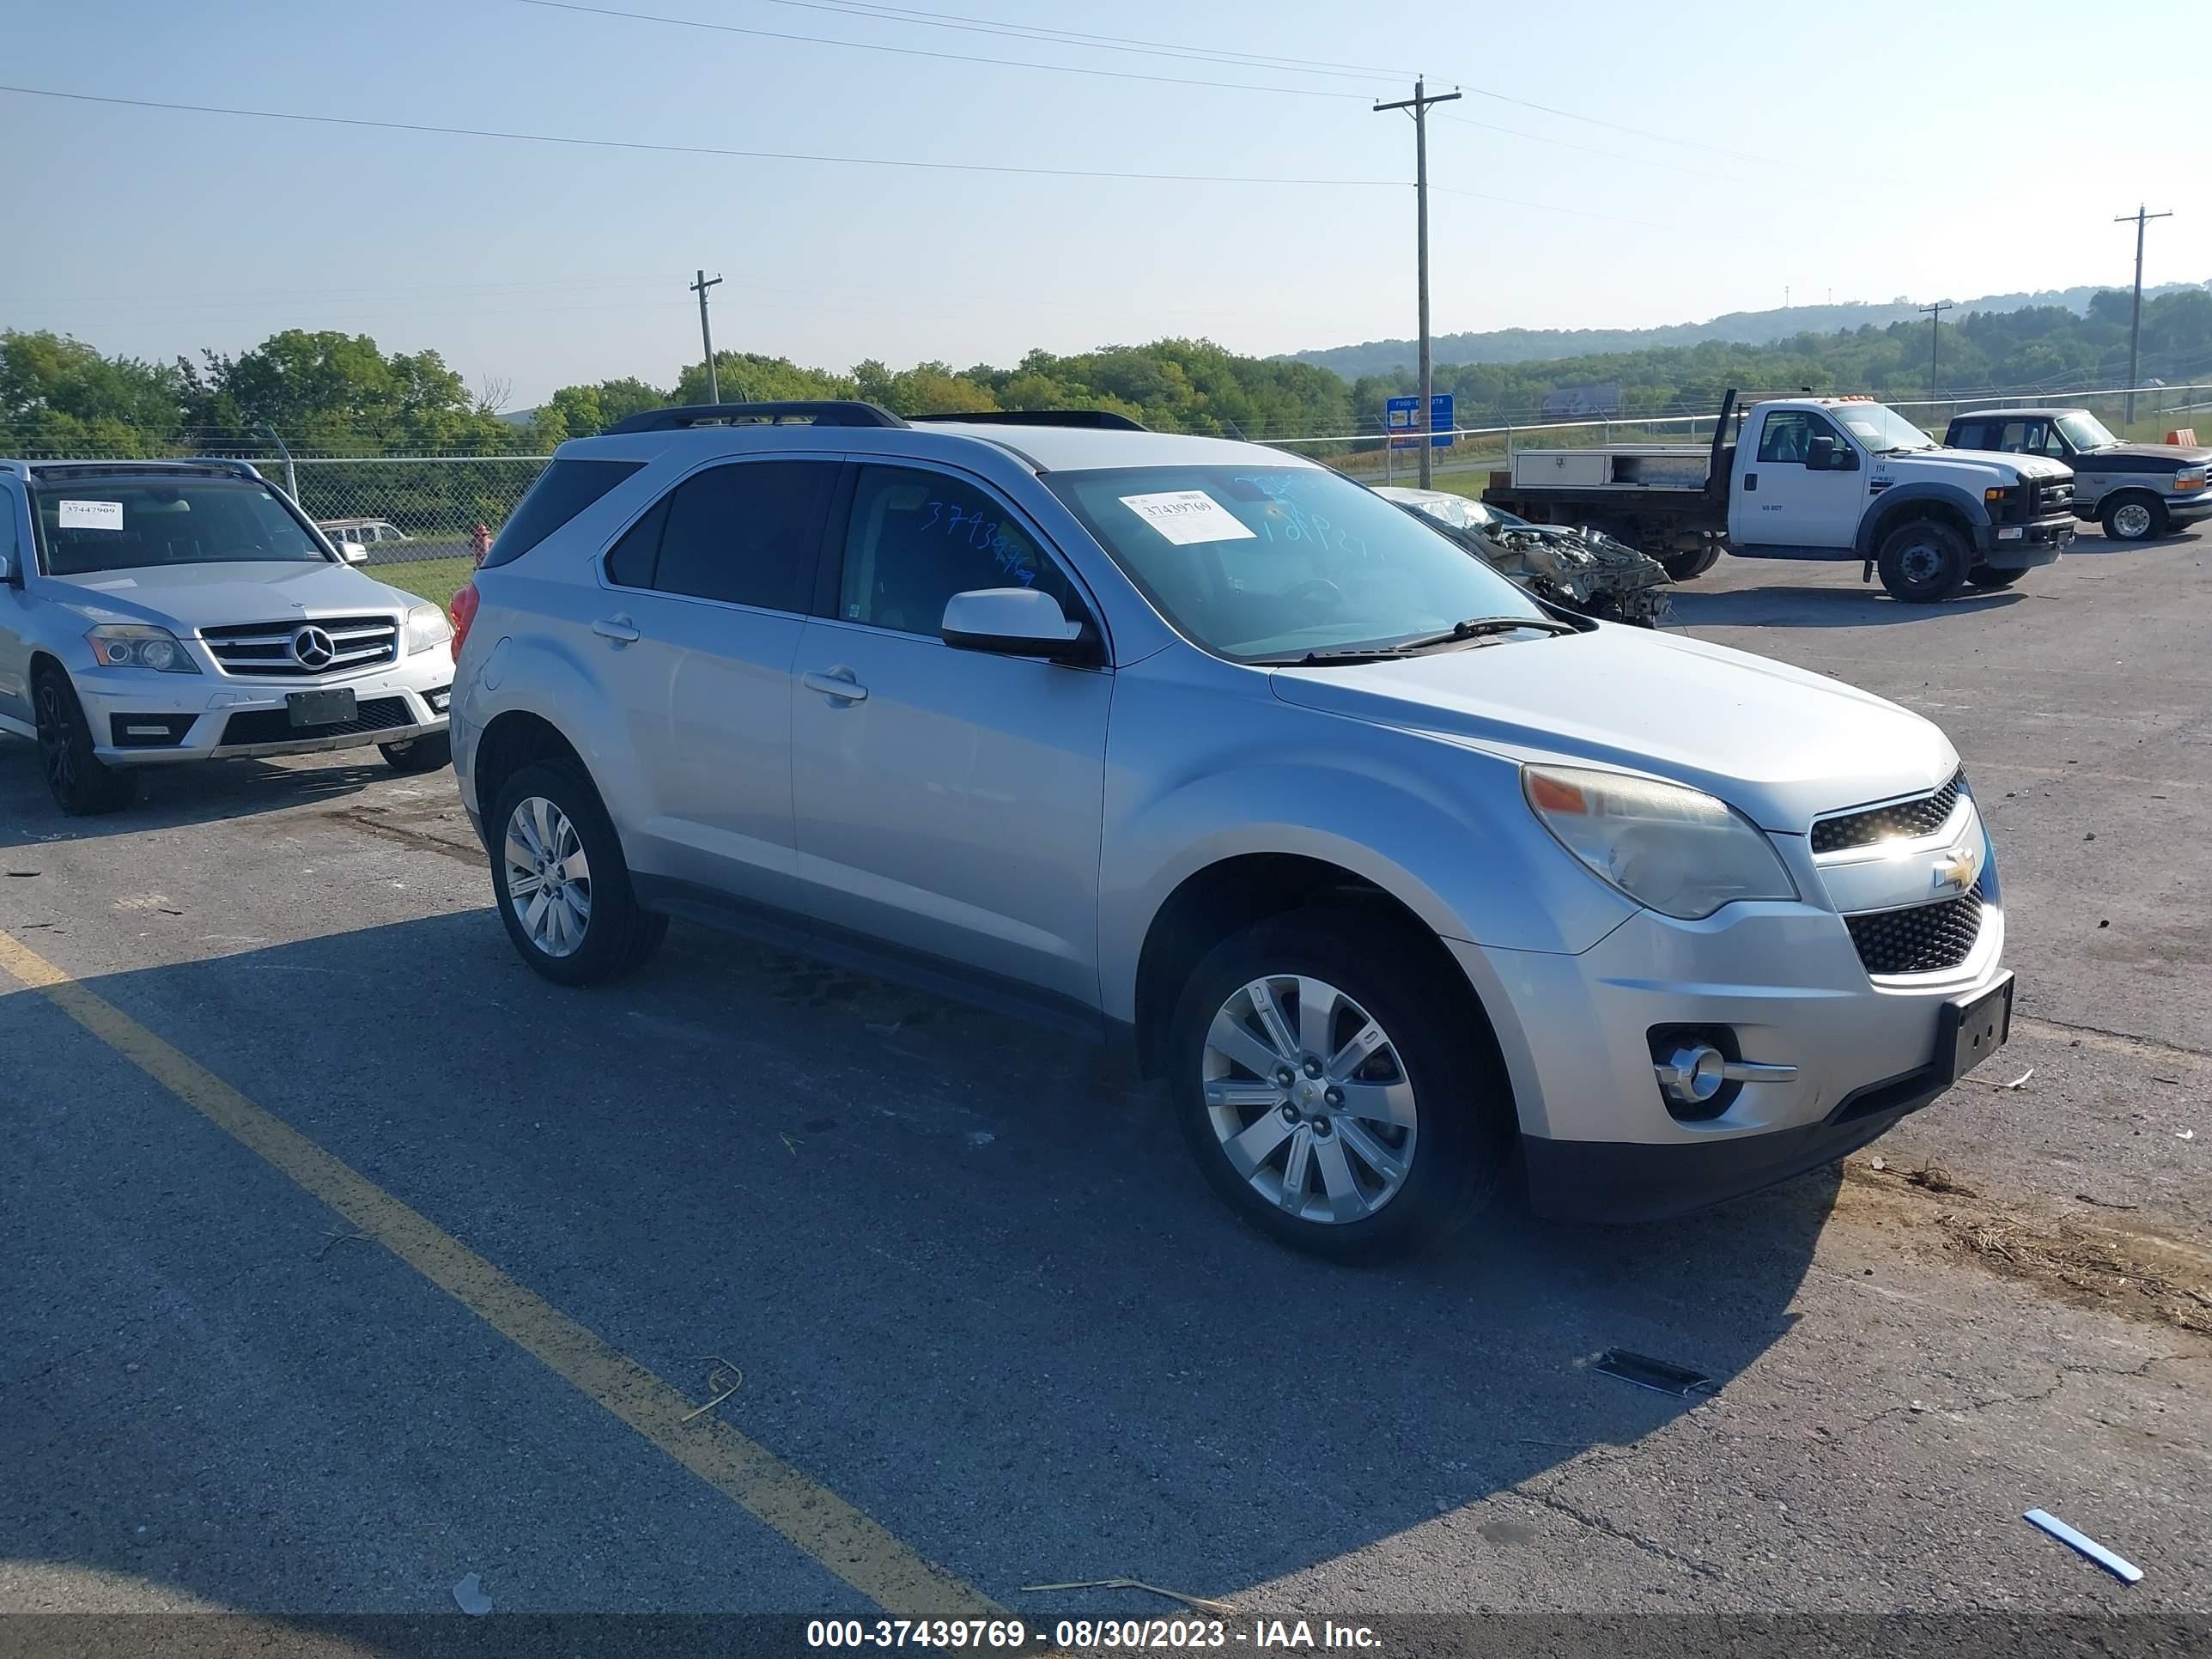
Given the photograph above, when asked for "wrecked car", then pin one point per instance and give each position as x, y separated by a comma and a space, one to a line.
1585, 570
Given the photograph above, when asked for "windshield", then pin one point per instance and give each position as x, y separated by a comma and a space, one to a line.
2084, 431
95, 525
1881, 427
1262, 561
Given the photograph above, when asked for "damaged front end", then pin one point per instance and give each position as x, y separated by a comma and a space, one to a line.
1584, 570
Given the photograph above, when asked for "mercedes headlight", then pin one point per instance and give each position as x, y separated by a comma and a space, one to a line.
1675, 849
140, 645
426, 627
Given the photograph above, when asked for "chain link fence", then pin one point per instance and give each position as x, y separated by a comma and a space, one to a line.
406, 509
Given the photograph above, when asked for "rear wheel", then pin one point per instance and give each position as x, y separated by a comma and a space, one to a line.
1923, 561
1687, 566
562, 887
80, 784
2135, 519
1333, 1096
1988, 575
423, 754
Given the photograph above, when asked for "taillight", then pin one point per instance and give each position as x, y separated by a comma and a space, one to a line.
463, 611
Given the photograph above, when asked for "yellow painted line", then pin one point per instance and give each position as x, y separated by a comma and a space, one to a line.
811, 1516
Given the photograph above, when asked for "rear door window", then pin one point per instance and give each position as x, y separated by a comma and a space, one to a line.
746, 532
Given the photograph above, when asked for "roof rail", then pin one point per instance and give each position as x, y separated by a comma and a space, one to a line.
93, 466
1101, 419
827, 411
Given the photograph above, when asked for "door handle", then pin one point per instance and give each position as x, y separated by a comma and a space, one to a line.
838, 685
1750, 482
620, 630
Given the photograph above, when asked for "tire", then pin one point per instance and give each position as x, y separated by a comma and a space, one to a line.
426, 754
1688, 567
1989, 576
1457, 1130
1923, 561
2135, 519
80, 784
606, 936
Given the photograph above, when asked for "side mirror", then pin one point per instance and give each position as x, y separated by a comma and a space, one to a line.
353, 553
1821, 455
6, 570
1017, 622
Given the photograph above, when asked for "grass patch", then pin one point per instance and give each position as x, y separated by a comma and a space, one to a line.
434, 579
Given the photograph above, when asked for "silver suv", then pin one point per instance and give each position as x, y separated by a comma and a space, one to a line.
1389, 869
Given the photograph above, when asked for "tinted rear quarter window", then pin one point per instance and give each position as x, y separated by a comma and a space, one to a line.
562, 490
748, 532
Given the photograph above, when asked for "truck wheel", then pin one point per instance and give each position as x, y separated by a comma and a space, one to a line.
1923, 561
1688, 567
80, 784
1989, 576
1331, 1096
2135, 519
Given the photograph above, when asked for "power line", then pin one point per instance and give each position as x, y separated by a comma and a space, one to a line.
939, 20
1592, 149
697, 149
920, 51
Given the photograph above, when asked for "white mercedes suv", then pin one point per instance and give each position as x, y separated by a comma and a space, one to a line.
158, 611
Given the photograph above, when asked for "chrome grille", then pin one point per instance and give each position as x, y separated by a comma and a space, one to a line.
1923, 816
264, 650
1924, 938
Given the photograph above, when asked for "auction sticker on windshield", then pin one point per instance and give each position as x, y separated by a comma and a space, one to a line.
90, 515
1187, 516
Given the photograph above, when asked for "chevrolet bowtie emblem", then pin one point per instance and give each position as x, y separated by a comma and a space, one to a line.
1959, 869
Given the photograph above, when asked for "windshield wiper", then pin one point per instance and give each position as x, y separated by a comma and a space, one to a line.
1475, 628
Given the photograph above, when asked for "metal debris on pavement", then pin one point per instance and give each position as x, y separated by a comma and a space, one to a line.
470, 1597
1657, 1375
1202, 1604
721, 1369
2125, 1570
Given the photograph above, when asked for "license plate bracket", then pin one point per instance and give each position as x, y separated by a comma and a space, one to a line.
309, 708
1974, 1028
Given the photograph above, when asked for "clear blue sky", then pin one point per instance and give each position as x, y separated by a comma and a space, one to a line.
1866, 150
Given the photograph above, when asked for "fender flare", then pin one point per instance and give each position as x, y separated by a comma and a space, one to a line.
1885, 507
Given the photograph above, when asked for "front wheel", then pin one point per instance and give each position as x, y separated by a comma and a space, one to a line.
1989, 576
81, 785
562, 887
425, 754
1923, 561
1333, 1096
2136, 519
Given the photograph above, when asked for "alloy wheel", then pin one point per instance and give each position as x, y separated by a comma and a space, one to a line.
549, 877
1308, 1099
56, 735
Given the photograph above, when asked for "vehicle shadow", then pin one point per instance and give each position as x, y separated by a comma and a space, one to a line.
170, 796
974, 1283
1786, 606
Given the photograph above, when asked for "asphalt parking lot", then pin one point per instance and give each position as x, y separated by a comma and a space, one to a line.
342, 1258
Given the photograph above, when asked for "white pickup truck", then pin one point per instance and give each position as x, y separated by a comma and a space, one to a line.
1825, 479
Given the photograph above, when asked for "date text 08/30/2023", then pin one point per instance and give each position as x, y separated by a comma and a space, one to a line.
1008, 1635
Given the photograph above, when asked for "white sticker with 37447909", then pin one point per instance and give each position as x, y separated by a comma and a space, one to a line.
91, 515
1185, 516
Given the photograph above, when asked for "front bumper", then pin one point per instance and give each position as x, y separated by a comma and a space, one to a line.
2023, 546
1785, 979
402, 701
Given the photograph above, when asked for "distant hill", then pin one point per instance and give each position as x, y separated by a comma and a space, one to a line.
1523, 345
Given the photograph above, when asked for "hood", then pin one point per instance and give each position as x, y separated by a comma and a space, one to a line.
1779, 744
2161, 454
2003, 464
184, 598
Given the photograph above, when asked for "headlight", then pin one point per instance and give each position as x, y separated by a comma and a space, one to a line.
137, 645
426, 626
2191, 478
1677, 850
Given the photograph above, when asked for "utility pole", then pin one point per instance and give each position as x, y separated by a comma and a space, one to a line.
1934, 338
707, 336
1418, 106
2134, 322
